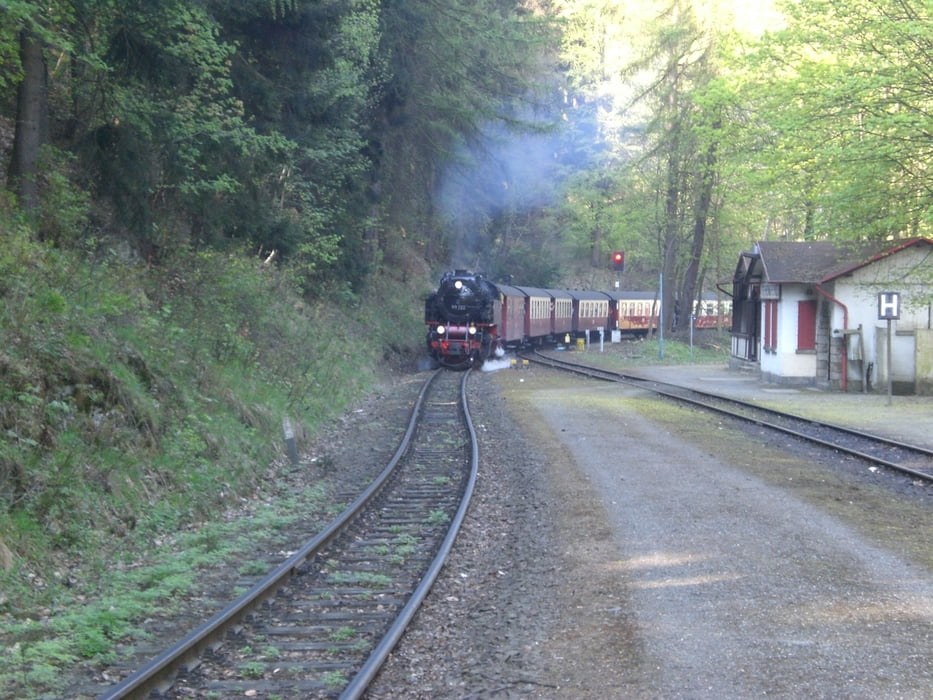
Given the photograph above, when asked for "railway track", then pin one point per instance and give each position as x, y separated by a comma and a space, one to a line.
321, 623
911, 460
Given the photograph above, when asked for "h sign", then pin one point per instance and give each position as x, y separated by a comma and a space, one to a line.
889, 306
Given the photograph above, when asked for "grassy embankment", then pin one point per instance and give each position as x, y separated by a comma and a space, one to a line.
709, 347
138, 403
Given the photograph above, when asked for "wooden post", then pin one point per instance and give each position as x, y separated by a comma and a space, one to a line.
890, 378
290, 440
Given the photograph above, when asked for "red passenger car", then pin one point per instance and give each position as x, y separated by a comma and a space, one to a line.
539, 312
562, 313
590, 311
510, 315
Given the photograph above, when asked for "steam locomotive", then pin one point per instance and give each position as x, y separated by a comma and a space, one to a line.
463, 318
470, 319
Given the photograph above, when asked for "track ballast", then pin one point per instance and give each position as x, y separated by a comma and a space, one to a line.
321, 623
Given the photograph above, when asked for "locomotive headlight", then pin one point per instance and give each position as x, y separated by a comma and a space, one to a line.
472, 330
458, 284
440, 330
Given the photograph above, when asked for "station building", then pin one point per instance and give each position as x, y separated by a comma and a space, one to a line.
818, 314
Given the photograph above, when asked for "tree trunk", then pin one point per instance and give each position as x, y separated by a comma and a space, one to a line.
704, 199
31, 122
596, 247
670, 242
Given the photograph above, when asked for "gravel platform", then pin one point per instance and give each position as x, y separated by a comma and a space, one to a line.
621, 547
908, 418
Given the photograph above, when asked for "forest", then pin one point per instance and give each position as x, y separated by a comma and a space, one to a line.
343, 137
205, 205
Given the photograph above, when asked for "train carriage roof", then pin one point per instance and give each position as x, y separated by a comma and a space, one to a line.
631, 296
579, 294
559, 293
535, 292
510, 291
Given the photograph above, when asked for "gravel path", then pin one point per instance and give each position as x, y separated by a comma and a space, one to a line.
739, 589
615, 554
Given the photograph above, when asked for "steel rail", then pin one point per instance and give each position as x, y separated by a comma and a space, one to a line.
367, 673
634, 380
159, 672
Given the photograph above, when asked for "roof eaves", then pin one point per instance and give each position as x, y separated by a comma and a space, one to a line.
873, 257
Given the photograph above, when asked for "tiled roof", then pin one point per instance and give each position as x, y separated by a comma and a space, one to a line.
818, 261
872, 252
793, 261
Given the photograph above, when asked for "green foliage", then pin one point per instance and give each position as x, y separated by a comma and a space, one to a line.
342, 634
253, 568
461, 77
656, 186
437, 517
842, 118
334, 679
312, 130
35, 656
135, 401
179, 137
48, 20
37, 664
208, 123
253, 669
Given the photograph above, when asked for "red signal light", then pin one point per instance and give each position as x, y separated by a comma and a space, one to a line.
618, 260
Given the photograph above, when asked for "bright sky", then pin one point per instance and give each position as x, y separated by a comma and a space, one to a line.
754, 16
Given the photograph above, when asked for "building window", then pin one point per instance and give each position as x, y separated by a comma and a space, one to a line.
806, 325
770, 320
